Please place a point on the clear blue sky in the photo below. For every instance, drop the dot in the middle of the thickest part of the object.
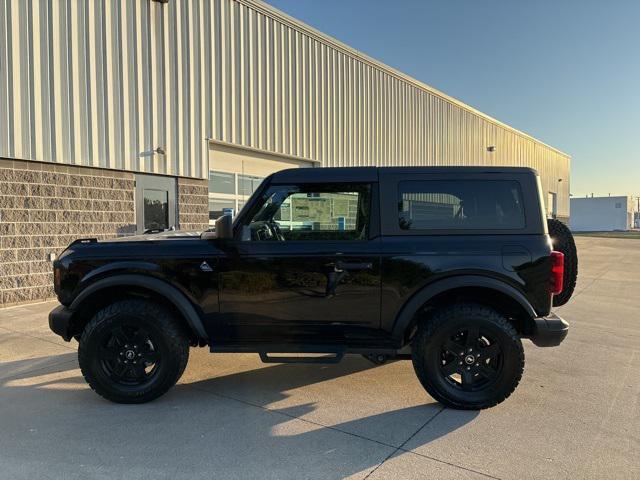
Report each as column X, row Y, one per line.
column 564, row 71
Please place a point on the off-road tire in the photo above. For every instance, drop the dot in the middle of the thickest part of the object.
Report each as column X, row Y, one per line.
column 563, row 242
column 427, row 355
column 172, row 349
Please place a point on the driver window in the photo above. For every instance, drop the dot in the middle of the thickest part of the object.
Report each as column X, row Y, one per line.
column 294, row 213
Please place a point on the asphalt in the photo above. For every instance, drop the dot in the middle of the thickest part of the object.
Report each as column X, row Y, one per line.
column 575, row 414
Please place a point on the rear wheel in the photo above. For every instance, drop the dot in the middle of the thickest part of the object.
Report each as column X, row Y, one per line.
column 133, row 351
column 563, row 241
column 468, row 356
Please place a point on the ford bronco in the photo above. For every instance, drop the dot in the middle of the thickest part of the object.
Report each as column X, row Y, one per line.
column 449, row 267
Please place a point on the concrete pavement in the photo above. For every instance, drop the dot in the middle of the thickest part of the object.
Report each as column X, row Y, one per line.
column 575, row 414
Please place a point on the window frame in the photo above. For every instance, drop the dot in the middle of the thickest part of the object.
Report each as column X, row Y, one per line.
column 463, row 184
column 165, row 209
column 390, row 195
column 240, row 177
column 372, row 223
column 238, row 199
column 234, row 182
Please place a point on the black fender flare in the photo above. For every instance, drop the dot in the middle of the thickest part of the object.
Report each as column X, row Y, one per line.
column 409, row 309
column 168, row 291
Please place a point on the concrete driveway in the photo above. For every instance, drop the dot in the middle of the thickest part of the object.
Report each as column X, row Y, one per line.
column 576, row 413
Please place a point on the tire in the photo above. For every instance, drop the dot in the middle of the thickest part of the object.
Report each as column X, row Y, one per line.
column 133, row 351
column 563, row 241
column 466, row 370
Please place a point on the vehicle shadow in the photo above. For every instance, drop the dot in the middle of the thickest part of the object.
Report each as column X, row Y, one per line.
column 229, row 426
column 27, row 368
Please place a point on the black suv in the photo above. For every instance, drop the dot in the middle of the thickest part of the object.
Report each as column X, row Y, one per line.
column 449, row 267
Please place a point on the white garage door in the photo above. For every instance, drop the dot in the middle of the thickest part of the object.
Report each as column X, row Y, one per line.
column 236, row 172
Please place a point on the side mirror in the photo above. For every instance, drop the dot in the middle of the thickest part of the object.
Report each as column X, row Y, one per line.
column 223, row 229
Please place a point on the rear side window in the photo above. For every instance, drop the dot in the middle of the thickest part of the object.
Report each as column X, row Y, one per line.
column 460, row 205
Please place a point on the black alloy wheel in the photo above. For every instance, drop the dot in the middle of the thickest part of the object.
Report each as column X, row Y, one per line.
column 133, row 351
column 129, row 356
column 471, row 359
column 467, row 356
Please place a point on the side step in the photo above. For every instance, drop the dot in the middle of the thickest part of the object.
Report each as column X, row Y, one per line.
column 329, row 358
column 270, row 353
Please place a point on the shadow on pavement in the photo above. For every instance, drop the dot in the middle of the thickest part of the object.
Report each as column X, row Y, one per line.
column 29, row 367
column 210, row 427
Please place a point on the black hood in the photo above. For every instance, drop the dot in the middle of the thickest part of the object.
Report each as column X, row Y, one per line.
column 152, row 237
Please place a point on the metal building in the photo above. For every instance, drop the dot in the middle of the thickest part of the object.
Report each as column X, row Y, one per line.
column 109, row 106
column 601, row 214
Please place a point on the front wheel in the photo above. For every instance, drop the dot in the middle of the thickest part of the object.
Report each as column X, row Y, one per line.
column 468, row 356
column 133, row 351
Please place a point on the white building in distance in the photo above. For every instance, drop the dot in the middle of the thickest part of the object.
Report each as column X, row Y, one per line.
column 598, row 214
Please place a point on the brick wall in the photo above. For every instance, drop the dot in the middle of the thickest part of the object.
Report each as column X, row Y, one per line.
column 46, row 206
column 193, row 204
column 43, row 208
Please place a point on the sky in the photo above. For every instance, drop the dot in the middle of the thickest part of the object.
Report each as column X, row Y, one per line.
column 564, row 71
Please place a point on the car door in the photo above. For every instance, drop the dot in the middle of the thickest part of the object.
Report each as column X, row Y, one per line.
column 305, row 265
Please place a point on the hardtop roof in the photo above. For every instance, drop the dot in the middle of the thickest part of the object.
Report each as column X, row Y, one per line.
column 370, row 174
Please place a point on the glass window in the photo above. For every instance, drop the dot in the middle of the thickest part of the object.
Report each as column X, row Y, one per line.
column 339, row 212
column 220, row 182
column 248, row 184
column 218, row 207
column 460, row 205
column 156, row 209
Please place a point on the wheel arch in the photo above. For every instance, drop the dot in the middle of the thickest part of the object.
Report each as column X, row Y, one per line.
column 493, row 293
column 105, row 291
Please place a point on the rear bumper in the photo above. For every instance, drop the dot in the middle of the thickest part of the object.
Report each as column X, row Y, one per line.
column 549, row 331
column 60, row 321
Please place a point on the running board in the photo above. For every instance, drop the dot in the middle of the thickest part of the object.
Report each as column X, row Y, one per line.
column 277, row 353
column 325, row 359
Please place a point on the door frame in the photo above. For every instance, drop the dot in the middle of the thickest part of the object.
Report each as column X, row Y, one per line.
column 155, row 182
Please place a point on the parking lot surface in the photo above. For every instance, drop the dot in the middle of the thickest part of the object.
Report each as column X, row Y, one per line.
column 576, row 413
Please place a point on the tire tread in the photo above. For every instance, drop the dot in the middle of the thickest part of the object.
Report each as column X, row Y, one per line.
column 564, row 242
column 427, row 329
column 174, row 336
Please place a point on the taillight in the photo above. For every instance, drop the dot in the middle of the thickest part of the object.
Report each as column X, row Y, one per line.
column 557, row 272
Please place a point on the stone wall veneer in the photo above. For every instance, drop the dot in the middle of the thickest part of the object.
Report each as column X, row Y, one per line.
column 193, row 204
column 46, row 206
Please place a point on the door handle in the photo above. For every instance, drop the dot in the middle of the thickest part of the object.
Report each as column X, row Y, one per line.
column 340, row 269
column 356, row 265
column 340, row 266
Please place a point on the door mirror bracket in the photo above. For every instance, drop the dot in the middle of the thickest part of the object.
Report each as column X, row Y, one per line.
column 223, row 229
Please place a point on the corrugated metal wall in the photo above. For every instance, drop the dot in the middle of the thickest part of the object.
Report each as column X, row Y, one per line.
column 99, row 82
